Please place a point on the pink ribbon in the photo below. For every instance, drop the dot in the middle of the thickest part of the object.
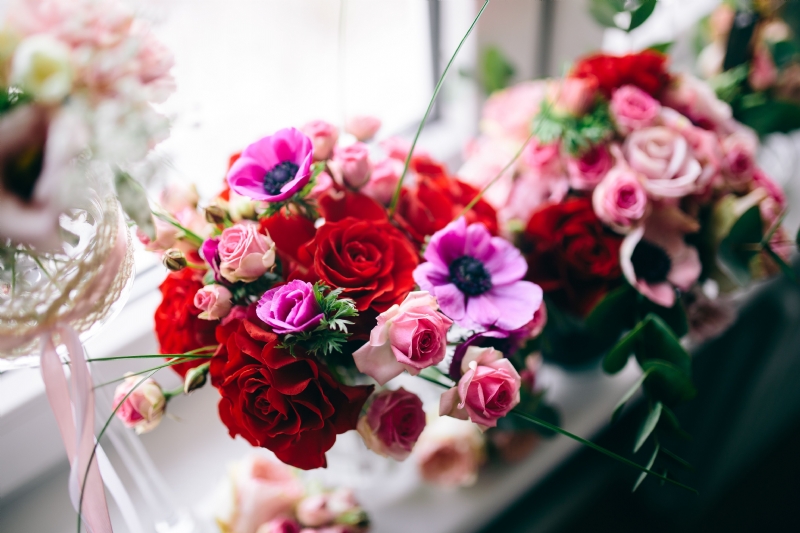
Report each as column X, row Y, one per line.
column 74, row 407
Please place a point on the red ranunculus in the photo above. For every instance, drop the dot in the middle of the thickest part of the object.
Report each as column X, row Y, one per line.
column 178, row 328
column 646, row 70
column 570, row 254
column 288, row 404
column 436, row 199
column 370, row 259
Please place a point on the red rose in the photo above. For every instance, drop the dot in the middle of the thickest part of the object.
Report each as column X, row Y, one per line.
column 570, row 254
column 292, row 235
column 370, row 259
column 646, row 70
column 436, row 199
column 177, row 327
column 288, row 404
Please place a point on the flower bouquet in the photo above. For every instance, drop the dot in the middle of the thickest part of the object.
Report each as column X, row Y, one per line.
column 636, row 200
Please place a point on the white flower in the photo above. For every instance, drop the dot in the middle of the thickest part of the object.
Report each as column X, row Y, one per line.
column 42, row 66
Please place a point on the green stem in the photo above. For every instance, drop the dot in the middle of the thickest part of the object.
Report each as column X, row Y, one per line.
column 590, row 444
column 433, row 380
column 170, row 394
column 145, row 371
column 190, row 235
column 154, row 356
column 396, row 196
column 497, row 177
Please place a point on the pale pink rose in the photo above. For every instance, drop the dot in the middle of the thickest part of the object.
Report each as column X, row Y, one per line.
column 620, row 200
column 323, row 184
column 763, row 72
column 697, row 100
column 393, row 423
column 322, row 510
column 353, row 164
column 398, row 148
column 244, row 253
column 484, row 159
column 529, row 191
column 664, row 159
column 589, row 169
column 143, row 408
column 544, row 158
column 449, row 452
column 383, row 180
column 363, row 127
column 166, row 236
column 704, row 144
column 487, row 391
column 738, row 163
column 312, row 511
column 509, row 113
column 410, row 336
column 279, row 525
column 263, row 489
column 655, row 258
column 633, row 109
column 179, row 195
column 214, row 301
column 153, row 62
column 572, row 96
column 324, row 136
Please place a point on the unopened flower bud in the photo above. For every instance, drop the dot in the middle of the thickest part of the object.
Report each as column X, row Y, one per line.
column 195, row 378
column 215, row 214
column 140, row 403
column 174, row 260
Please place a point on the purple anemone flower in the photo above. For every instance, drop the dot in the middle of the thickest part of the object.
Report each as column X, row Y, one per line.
column 209, row 251
column 273, row 168
column 477, row 278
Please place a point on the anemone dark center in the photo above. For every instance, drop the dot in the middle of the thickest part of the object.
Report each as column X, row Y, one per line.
column 278, row 176
column 650, row 262
column 470, row 276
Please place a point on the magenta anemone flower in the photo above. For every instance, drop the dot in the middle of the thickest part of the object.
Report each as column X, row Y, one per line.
column 477, row 278
column 273, row 168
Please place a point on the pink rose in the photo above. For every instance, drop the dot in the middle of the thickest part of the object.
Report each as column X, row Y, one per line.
column 363, row 127
column 704, row 144
column 545, row 158
column 312, row 511
column 383, row 180
column 620, row 200
column 323, row 184
column 244, row 253
column 263, row 489
column 508, row 113
column 663, row 157
column 410, row 336
column 393, row 423
column 324, row 136
column 633, row 109
column 738, row 163
column 214, row 301
column 353, row 164
column 763, row 72
column 143, row 409
column 279, row 525
column 697, row 100
column 179, row 195
column 449, row 452
column 586, row 171
column 320, row 510
column 488, row 390
column 572, row 96
column 776, row 196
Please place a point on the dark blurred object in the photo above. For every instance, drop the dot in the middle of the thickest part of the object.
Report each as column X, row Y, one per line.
column 745, row 424
column 738, row 51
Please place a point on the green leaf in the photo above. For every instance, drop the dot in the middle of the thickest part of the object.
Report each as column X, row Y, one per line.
column 649, row 466
column 496, row 70
column 647, row 427
column 668, row 377
column 134, row 202
column 659, row 342
column 661, row 47
column 613, row 315
column 670, row 421
column 786, row 269
column 641, row 14
column 628, row 395
column 769, row 116
column 674, row 317
column 677, row 459
column 603, row 11
column 741, row 245
column 616, row 359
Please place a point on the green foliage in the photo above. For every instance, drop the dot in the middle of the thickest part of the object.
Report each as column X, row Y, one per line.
column 133, row 199
column 331, row 333
column 728, row 84
column 628, row 395
column 662, row 48
column 641, row 13
column 649, row 466
column 10, row 97
column 496, row 70
column 577, row 134
column 741, row 245
column 605, row 12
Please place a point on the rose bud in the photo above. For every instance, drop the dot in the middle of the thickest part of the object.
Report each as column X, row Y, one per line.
column 323, row 137
column 174, row 260
column 633, row 109
column 393, row 423
column 214, row 301
column 166, row 236
column 363, row 127
column 312, row 511
column 143, row 409
column 383, row 180
column 488, row 390
column 215, row 214
column 279, row 525
column 449, row 452
column 410, row 336
column 195, row 378
column 244, row 253
column 353, row 164
column 572, row 96
column 290, row 308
